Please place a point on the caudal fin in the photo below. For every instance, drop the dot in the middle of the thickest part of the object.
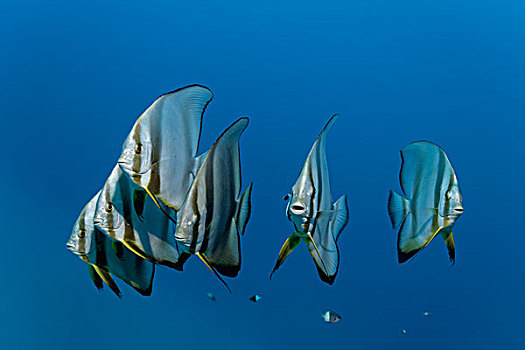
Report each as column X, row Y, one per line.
column 244, row 208
column 340, row 219
column 288, row 246
column 397, row 208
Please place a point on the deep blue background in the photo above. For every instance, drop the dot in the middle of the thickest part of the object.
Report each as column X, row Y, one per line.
column 74, row 77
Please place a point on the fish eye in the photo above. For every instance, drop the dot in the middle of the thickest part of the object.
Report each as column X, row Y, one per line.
column 138, row 148
column 82, row 233
column 286, row 197
column 109, row 207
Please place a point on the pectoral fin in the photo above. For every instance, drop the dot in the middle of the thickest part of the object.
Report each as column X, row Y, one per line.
column 139, row 200
column 95, row 278
column 118, row 249
column 288, row 246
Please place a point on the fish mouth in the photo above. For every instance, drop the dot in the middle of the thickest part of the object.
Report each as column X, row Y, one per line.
column 298, row 209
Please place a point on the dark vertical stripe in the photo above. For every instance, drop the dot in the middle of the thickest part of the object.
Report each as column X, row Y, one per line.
column 195, row 227
column 137, row 157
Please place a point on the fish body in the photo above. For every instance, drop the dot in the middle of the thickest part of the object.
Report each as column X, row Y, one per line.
column 331, row 317
column 318, row 221
column 160, row 153
column 432, row 200
column 211, row 296
column 126, row 213
column 255, row 298
column 214, row 213
column 105, row 256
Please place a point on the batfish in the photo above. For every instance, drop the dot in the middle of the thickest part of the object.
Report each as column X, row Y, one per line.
column 432, row 201
column 318, row 222
column 127, row 214
column 106, row 256
column 159, row 154
column 213, row 214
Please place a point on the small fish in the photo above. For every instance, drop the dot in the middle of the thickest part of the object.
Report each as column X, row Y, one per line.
column 427, row 313
column 403, row 331
column 255, row 298
column 159, row 154
column 317, row 221
column 104, row 258
column 127, row 214
column 215, row 214
column 331, row 317
column 433, row 200
column 211, row 296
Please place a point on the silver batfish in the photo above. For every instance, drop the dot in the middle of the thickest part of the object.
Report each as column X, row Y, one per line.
column 159, row 154
column 127, row 214
column 213, row 214
column 106, row 256
column 318, row 222
column 433, row 200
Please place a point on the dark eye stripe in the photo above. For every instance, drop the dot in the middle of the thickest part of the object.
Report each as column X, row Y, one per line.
column 137, row 159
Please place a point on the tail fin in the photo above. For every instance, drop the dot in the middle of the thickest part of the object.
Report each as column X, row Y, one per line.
column 288, row 246
column 397, row 208
column 244, row 207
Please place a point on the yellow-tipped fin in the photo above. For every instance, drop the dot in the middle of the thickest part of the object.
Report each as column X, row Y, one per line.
column 207, row 263
column 288, row 246
column 106, row 277
column 160, row 206
column 451, row 246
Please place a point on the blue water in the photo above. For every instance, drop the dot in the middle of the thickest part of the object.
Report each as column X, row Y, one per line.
column 74, row 76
